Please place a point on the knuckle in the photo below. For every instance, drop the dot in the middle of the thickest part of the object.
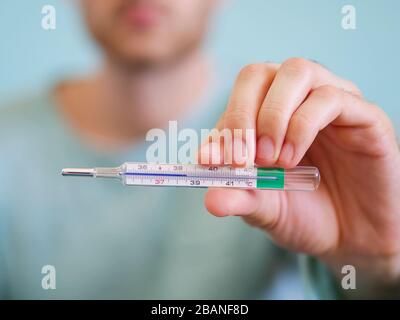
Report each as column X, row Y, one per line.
column 297, row 67
column 277, row 219
column 272, row 121
column 380, row 132
column 252, row 70
column 328, row 92
column 300, row 124
column 274, row 111
column 383, row 121
column 272, row 66
column 354, row 89
column 237, row 118
column 380, row 113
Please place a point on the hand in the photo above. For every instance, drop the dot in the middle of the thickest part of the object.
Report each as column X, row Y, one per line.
column 303, row 114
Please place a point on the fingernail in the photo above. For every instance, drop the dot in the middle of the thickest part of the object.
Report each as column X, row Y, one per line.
column 265, row 148
column 239, row 151
column 229, row 150
column 286, row 153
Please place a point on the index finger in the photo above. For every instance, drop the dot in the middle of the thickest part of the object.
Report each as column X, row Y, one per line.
column 250, row 89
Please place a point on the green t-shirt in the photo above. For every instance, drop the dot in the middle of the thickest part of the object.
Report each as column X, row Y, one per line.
column 110, row 241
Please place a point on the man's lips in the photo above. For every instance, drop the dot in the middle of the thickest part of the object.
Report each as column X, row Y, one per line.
column 142, row 16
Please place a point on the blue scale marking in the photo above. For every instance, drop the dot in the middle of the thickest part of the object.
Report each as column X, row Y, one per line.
column 189, row 176
column 155, row 174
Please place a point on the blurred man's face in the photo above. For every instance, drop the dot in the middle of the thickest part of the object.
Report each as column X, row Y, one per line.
column 147, row 32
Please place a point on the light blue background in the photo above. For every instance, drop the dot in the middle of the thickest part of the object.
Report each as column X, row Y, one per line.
column 245, row 31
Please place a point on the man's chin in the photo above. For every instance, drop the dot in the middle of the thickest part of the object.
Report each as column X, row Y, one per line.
column 149, row 59
column 140, row 62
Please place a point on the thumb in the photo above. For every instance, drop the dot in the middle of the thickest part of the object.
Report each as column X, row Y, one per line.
column 258, row 208
column 293, row 221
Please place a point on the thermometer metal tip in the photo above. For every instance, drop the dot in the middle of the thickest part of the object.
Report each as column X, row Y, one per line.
column 78, row 172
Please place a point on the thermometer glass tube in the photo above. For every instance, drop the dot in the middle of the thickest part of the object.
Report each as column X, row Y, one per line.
column 179, row 175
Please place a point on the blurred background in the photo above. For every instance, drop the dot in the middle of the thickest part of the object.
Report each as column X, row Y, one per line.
column 244, row 31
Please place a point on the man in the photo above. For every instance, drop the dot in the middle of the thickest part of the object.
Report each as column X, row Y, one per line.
column 111, row 242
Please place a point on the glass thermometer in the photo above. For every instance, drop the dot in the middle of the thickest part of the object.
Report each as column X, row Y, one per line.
column 180, row 175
